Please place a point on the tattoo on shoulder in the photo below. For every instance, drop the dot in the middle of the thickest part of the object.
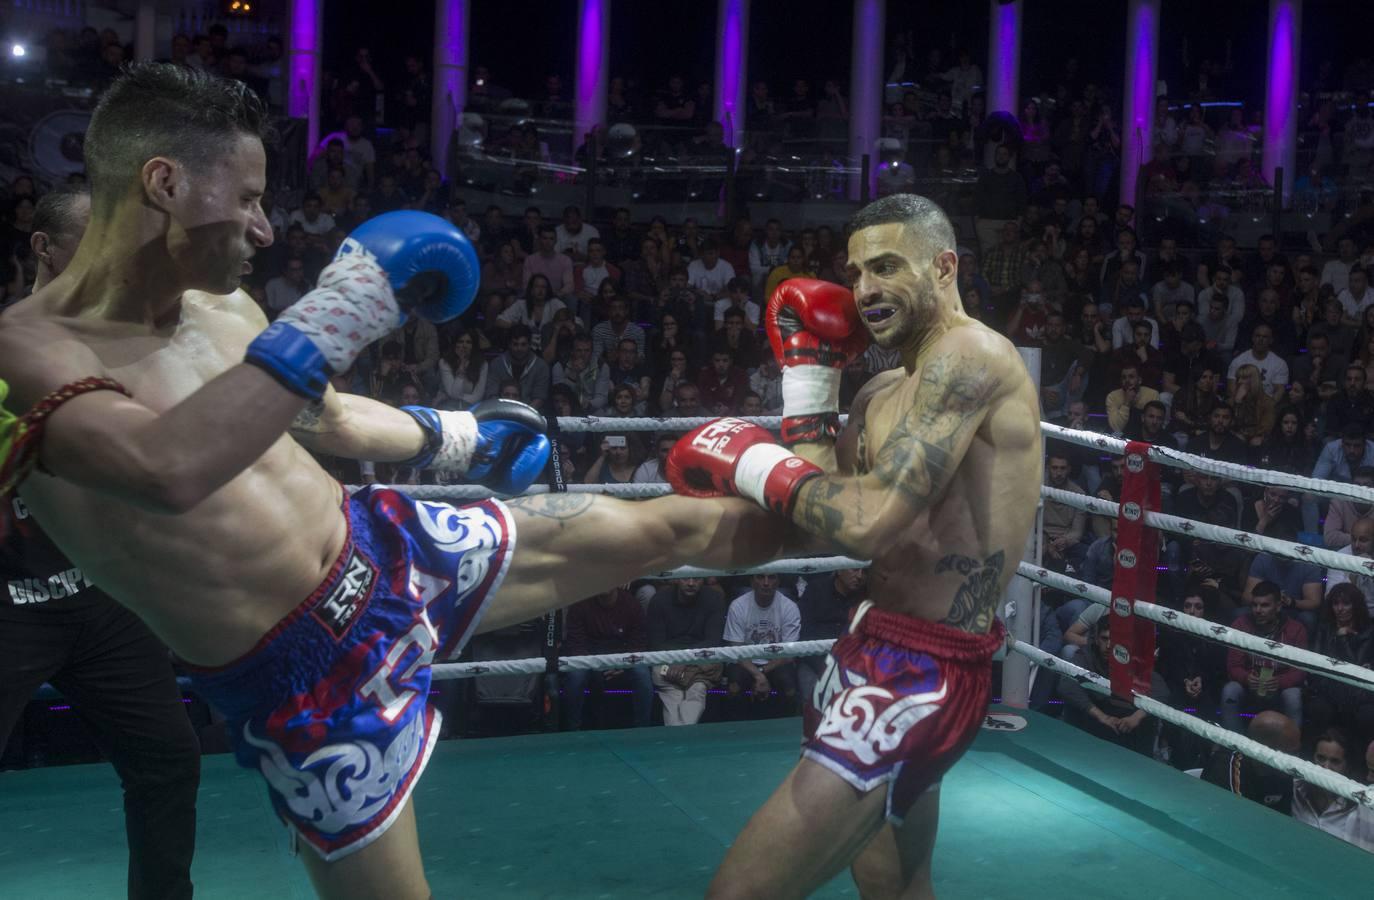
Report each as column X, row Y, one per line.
column 559, row 507
column 975, row 601
column 917, row 457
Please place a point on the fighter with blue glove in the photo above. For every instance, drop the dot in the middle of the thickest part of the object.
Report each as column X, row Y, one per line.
column 398, row 263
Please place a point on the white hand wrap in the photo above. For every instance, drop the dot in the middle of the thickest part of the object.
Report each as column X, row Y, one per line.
column 459, row 441
column 351, row 307
column 807, row 390
column 754, row 466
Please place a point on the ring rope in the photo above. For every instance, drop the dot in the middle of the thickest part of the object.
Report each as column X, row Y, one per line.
column 1349, row 673
column 640, row 491
column 538, row 665
column 1177, row 459
column 1291, row 765
column 573, row 424
column 1228, row 536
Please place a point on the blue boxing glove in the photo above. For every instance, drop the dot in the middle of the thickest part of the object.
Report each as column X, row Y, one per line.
column 397, row 263
column 430, row 262
column 499, row 444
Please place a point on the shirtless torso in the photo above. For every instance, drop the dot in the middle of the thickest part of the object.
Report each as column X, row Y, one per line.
column 955, row 558
column 212, row 581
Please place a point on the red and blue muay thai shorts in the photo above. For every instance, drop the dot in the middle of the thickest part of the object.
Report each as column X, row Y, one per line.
column 330, row 706
column 899, row 702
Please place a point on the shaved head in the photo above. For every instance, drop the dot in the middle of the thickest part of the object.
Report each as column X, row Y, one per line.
column 924, row 222
column 1275, row 731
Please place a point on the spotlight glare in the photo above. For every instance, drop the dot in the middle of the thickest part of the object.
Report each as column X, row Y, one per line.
column 18, row 51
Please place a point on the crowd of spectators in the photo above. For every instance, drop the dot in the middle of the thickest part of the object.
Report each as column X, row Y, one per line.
column 1258, row 355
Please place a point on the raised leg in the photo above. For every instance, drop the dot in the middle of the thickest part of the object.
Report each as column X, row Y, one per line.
column 387, row 869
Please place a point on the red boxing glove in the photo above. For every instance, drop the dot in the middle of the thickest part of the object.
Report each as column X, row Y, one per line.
column 815, row 330
column 735, row 458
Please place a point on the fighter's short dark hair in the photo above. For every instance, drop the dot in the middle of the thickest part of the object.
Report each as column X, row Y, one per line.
column 922, row 216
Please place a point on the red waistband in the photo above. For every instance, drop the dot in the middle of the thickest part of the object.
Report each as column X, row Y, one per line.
column 933, row 638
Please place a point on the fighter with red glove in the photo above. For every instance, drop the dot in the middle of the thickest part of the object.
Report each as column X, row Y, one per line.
column 815, row 329
column 735, row 457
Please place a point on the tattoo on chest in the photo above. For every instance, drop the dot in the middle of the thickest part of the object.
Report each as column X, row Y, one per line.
column 975, row 602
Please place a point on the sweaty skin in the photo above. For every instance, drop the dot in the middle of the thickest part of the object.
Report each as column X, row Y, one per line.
column 936, row 477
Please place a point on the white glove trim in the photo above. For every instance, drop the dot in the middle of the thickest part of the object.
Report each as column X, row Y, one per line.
column 754, row 466
column 810, row 389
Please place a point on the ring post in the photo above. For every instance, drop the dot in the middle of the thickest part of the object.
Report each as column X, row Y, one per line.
column 552, row 619
column 1016, row 668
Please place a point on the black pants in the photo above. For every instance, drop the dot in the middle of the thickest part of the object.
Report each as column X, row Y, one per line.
column 118, row 677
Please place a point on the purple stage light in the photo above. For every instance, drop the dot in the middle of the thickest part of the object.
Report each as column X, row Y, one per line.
column 1281, row 93
column 1137, row 109
column 1004, row 57
column 732, row 54
column 593, row 64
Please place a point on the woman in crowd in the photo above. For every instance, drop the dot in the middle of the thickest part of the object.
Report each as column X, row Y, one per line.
column 1254, row 408
column 565, row 405
column 1088, row 237
column 671, row 336
column 1343, row 632
column 1080, row 275
column 1035, row 135
column 535, row 310
column 617, row 462
column 1287, row 445
column 462, row 372
column 503, row 272
column 624, row 402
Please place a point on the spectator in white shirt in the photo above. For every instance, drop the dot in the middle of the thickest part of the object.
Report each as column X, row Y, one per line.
column 534, row 310
column 763, row 615
column 1273, row 370
column 462, row 373
column 651, row 470
column 286, row 288
column 1123, row 329
column 574, row 234
column 1357, row 297
column 709, row 273
column 1223, row 288
column 1336, row 815
column 737, row 295
column 312, row 217
column 1337, row 272
column 767, row 254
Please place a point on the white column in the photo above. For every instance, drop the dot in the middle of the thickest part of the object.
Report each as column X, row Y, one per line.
column 1281, row 93
column 592, row 67
column 866, row 88
column 450, row 77
column 732, row 67
column 145, row 30
column 1004, row 56
column 304, row 45
column 1138, row 103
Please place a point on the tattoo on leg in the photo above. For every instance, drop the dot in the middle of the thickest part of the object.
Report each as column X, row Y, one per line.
column 976, row 600
column 559, row 507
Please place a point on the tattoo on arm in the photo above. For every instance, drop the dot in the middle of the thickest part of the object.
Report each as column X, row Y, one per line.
column 310, row 419
column 976, row 600
column 559, row 507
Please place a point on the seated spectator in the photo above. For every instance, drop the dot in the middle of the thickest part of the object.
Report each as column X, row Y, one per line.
column 685, row 615
column 535, row 310
column 826, row 605
column 651, row 470
column 1342, row 514
column 590, row 383
column 627, row 368
column 1258, row 682
column 722, row 383
column 1219, row 441
column 1253, row 780
column 1357, row 297
column 607, row 335
column 587, row 276
column 1273, row 371
column 1353, row 408
column 1317, row 368
column 763, row 615
column 389, row 196
column 1255, row 410
column 617, row 463
column 1300, row 583
column 1336, row 815
column 1340, row 458
column 1343, row 632
column 1287, row 446
column 1133, row 314
column 1171, row 330
column 503, row 272
column 1361, row 545
column 391, row 375
column 1062, row 534
column 573, row 236
column 686, row 402
column 1171, row 292
column 766, row 382
column 547, row 261
column 556, row 338
column 737, row 297
column 1147, row 360
column 709, row 273
column 1332, row 325
column 1195, row 395
column 646, row 278
column 287, row 288
column 739, row 340
column 1194, row 669
column 521, row 366
column 795, row 267
column 1105, row 716
column 612, row 622
column 311, row 217
column 1206, row 501
column 1124, row 403
column 462, row 372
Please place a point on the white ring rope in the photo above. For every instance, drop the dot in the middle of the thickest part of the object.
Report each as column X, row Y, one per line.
column 538, row 665
column 1310, row 772
column 1349, row 673
column 1228, row 536
column 1189, row 462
